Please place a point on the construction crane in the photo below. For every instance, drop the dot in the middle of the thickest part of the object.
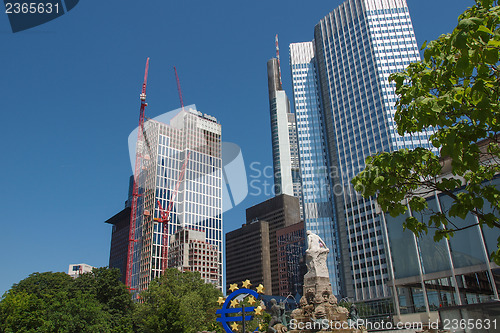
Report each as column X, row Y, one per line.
column 165, row 214
column 139, row 158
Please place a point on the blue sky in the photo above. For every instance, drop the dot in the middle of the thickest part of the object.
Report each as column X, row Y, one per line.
column 70, row 97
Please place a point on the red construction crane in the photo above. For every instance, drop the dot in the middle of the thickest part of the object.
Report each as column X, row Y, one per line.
column 135, row 193
column 165, row 214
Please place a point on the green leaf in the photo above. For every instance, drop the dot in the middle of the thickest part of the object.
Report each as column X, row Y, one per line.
column 462, row 65
column 467, row 24
column 491, row 56
column 494, row 43
column 484, row 29
column 460, row 40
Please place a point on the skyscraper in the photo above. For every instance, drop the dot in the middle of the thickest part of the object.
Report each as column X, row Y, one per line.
column 319, row 214
column 182, row 169
column 355, row 49
column 284, row 136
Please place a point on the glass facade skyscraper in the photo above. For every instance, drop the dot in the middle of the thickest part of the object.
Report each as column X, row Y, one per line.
column 316, row 188
column 355, row 49
column 189, row 143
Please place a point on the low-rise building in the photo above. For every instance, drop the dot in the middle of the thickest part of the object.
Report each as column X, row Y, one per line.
column 188, row 251
column 75, row 270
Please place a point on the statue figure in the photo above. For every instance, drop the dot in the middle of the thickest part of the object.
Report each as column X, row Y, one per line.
column 353, row 313
column 353, row 316
column 300, row 311
column 314, row 242
column 318, row 304
column 332, row 299
column 316, row 255
column 276, row 317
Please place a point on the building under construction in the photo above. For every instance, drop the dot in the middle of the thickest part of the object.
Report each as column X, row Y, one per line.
column 177, row 186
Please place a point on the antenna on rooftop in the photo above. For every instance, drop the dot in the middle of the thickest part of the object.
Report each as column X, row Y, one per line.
column 179, row 87
column 278, row 57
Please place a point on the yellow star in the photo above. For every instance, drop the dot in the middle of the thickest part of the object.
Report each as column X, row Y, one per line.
column 234, row 303
column 234, row 287
column 234, row 326
column 246, row 283
column 258, row 310
column 221, row 300
column 251, row 300
column 260, row 289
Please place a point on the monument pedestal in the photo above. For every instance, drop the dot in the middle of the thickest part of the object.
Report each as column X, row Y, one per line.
column 319, row 311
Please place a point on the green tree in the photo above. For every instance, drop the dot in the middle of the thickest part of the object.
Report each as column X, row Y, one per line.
column 21, row 312
column 104, row 285
column 177, row 302
column 455, row 90
column 54, row 302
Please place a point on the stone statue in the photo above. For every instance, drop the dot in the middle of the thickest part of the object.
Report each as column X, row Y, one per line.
column 314, row 242
column 316, row 255
column 276, row 316
column 353, row 313
column 318, row 305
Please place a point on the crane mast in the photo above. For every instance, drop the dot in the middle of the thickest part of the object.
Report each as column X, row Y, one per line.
column 135, row 193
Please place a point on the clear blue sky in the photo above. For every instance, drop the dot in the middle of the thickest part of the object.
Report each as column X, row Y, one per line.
column 70, row 97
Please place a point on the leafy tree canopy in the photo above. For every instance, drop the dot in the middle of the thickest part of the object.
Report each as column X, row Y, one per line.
column 178, row 302
column 55, row 302
column 455, row 92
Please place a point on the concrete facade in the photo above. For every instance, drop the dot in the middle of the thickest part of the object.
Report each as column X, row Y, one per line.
column 75, row 270
column 248, row 255
column 189, row 251
column 119, row 241
column 280, row 211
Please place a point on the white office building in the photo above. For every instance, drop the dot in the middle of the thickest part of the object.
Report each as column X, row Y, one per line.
column 182, row 169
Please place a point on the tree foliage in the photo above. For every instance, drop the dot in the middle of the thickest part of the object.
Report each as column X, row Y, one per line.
column 99, row 302
column 55, row 302
column 454, row 91
column 178, row 302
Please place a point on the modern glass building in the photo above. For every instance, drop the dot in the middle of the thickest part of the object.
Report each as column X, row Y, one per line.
column 319, row 215
column 189, row 143
column 355, row 49
column 429, row 276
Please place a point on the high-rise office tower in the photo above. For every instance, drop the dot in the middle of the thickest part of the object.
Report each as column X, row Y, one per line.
column 182, row 165
column 355, row 49
column 319, row 214
column 284, row 135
